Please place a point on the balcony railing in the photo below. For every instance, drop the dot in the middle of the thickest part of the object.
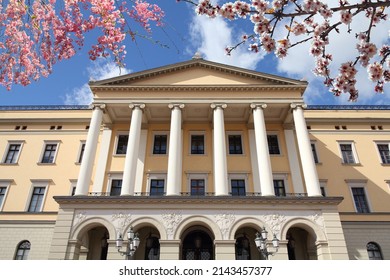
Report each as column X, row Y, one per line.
column 186, row 194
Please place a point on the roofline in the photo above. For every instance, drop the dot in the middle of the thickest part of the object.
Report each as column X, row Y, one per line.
column 44, row 107
column 348, row 107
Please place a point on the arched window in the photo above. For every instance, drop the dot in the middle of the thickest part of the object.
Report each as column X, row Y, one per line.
column 374, row 251
column 23, row 250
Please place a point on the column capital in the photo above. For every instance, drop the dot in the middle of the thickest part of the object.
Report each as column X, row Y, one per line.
column 176, row 105
column 100, row 106
column 218, row 105
column 258, row 105
column 298, row 105
column 137, row 105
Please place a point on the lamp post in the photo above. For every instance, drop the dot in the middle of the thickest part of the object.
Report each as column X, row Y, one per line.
column 132, row 244
column 261, row 243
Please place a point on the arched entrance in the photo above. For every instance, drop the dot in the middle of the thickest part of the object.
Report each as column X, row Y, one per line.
column 245, row 247
column 96, row 243
column 301, row 244
column 197, row 244
column 149, row 247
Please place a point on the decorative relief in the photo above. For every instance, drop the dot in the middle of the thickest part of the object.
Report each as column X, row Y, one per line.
column 275, row 222
column 171, row 221
column 318, row 219
column 79, row 217
column 225, row 221
column 121, row 220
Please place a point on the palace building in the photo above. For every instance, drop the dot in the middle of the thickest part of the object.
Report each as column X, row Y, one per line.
column 195, row 160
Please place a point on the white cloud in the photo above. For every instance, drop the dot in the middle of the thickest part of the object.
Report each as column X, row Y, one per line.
column 211, row 36
column 99, row 70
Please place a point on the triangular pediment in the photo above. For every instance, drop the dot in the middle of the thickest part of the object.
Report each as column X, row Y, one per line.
column 197, row 72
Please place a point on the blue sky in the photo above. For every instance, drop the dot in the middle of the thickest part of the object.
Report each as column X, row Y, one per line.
column 186, row 33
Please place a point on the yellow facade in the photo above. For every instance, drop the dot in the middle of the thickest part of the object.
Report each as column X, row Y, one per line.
column 38, row 205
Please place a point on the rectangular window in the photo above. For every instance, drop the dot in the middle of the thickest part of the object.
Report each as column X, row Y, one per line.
column 81, row 154
column 197, row 187
column 273, row 145
column 197, row 144
column 12, row 153
column 235, row 145
column 238, row 187
column 2, row 195
column 121, row 146
column 157, row 187
column 361, row 204
column 116, row 187
column 314, row 151
column 279, row 188
column 36, row 199
column 49, row 153
column 347, row 153
column 384, row 153
column 160, row 145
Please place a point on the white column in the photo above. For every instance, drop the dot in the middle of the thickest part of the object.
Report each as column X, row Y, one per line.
column 293, row 160
column 263, row 158
column 175, row 152
column 98, row 182
column 141, row 162
column 130, row 169
column 221, row 186
column 307, row 159
column 86, row 167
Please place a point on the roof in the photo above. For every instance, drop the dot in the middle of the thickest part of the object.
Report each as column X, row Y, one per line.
column 44, row 107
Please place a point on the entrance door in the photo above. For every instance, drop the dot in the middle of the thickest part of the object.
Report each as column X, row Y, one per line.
column 197, row 245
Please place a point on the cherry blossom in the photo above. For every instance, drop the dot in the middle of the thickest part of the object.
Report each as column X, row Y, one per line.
column 279, row 25
column 38, row 34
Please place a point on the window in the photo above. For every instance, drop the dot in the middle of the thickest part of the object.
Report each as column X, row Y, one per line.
column 22, row 250
column 2, row 195
column 157, row 187
column 359, row 196
column 116, row 187
column 238, row 187
column 160, row 145
column 121, row 146
column 49, row 153
column 273, row 145
column 13, row 153
column 348, row 153
column 323, row 188
column 197, row 187
column 314, row 150
column 279, row 188
column 197, row 144
column 235, row 145
column 81, row 152
column 37, row 199
column 384, row 153
column 374, row 251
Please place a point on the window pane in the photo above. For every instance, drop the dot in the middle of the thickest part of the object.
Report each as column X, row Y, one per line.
column 2, row 195
column 346, row 151
column 122, row 144
column 273, row 144
column 235, row 145
column 160, row 144
column 374, row 252
column 81, row 152
column 49, row 153
column 23, row 250
column 36, row 199
column 238, row 187
column 384, row 152
column 313, row 149
column 197, row 144
column 12, row 154
column 157, row 187
column 116, row 187
column 360, row 199
column 197, row 187
column 279, row 188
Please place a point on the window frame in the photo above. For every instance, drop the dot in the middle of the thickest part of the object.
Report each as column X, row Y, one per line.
column 156, row 176
column 238, row 176
column 314, row 150
column 34, row 185
column 5, row 184
column 197, row 133
column 73, row 184
column 112, row 177
column 45, row 144
column 377, row 143
column 323, row 188
column 7, row 150
column 234, row 133
column 197, row 176
column 24, row 256
column 160, row 133
column 197, row 193
column 117, row 136
column 353, row 150
column 277, row 140
column 281, row 177
column 360, row 185
column 80, row 154
column 378, row 250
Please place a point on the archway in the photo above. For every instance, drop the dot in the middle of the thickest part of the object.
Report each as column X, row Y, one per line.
column 245, row 247
column 197, row 244
column 149, row 247
column 301, row 244
column 96, row 243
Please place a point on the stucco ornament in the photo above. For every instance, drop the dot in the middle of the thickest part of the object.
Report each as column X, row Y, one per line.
column 275, row 222
column 79, row 217
column 225, row 221
column 318, row 219
column 171, row 221
column 121, row 220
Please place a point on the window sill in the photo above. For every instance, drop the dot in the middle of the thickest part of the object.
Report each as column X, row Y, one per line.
column 351, row 164
column 46, row 163
column 10, row 164
column 385, row 164
column 119, row 155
